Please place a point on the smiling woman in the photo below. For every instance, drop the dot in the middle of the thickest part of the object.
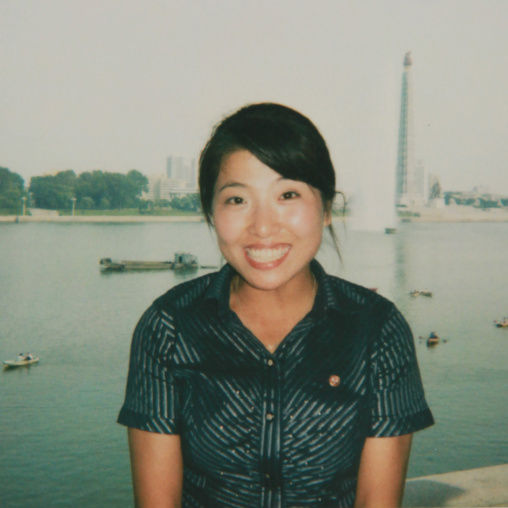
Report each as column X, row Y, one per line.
column 271, row 383
column 265, row 221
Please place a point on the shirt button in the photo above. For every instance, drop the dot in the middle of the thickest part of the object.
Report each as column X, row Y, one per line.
column 270, row 362
column 269, row 416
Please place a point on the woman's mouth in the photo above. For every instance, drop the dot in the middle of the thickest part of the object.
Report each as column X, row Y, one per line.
column 266, row 257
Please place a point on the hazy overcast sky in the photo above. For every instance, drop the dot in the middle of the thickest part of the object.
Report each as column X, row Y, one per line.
column 117, row 84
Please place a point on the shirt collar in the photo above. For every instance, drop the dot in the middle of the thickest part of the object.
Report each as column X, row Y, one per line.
column 219, row 288
column 326, row 297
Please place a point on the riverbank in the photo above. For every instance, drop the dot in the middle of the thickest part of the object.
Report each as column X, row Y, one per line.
column 454, row 213
column 485, row 486
column 102, row 219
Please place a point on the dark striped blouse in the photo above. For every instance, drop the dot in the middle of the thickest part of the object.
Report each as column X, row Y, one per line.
column 273, row 430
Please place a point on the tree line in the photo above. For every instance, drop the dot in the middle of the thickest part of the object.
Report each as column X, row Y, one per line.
column 90, row 190
column 484, row 201
column 187, row 203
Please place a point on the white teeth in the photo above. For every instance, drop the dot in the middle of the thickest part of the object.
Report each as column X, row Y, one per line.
column 267, row 255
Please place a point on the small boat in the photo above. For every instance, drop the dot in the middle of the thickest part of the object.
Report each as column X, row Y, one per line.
column 502, row 324
column 181, row 261
column 432, row 339
column 423, row 292
column 20, row 363
column 108, row 264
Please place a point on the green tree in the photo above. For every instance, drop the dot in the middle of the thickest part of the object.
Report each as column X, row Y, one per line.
column 162, row 203
column 106, row 190
column 138, row 181
column 86, row 203
column 92, row 185
column 188, row 203
column 195, row 202
column 104, row 204
column 176, row 203
column 145, row 205
column 12, row 190
column 119, row 190
column 54, row 191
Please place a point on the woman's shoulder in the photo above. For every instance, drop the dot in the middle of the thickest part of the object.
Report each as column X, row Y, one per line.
column 370, row 307
column 185, row 295
column 353, row 297
column 159, row 318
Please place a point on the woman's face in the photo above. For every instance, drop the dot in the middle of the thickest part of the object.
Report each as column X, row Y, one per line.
column 269, row 228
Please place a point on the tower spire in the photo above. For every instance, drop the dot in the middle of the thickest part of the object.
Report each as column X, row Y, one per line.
column 409, row 188
column 408, row 61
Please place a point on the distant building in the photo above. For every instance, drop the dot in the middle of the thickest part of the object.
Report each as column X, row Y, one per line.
column 183, row 169
column 180, row 179
column 153, row 192
column 410, row 188
column 162, row 187
column 479, row 197
column 434, row 193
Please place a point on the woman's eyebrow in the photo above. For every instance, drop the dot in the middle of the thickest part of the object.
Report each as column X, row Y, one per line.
column 231, row 184
column 227, row 185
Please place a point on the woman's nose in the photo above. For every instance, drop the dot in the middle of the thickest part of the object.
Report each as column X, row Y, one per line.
column 264, row 221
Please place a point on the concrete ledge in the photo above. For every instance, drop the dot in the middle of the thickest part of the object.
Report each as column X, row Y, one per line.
column 486, row 486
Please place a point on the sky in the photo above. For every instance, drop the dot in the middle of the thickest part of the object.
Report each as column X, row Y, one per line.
column 122, row 84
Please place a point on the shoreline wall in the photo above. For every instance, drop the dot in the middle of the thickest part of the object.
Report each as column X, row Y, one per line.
column 455, row 213
column 485, row 486
column 102, row 219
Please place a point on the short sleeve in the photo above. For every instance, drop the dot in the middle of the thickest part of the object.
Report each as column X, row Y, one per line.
column 151, row 399
column 398, row 403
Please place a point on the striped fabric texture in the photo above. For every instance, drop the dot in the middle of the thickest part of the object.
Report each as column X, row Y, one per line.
column 273, row 430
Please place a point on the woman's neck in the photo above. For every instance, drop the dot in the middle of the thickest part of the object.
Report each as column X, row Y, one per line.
column 295, row 294
column 271, row 315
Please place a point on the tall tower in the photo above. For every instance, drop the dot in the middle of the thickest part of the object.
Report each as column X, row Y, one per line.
column 409, row 188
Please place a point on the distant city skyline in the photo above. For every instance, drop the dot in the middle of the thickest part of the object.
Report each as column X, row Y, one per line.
column 116, row 86
column 179, row 179
column 158, row 174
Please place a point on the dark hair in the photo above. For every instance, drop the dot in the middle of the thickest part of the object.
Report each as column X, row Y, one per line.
column 280, row 137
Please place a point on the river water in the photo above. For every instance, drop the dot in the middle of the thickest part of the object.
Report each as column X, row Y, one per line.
column 59, row 443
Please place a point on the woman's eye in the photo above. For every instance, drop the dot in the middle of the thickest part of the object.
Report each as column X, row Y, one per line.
column 289, row 195
column 235, row 200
